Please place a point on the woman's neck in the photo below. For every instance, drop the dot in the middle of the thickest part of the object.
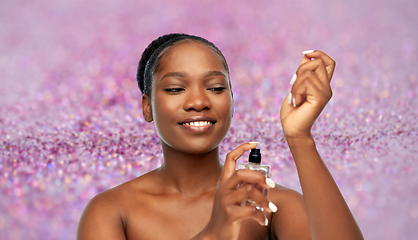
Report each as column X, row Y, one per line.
column 190, row 174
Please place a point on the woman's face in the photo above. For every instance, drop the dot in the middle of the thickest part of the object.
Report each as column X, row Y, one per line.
column 191, row 100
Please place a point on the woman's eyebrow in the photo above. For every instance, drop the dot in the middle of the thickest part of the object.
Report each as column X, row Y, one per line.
column 214, row 73
column 174, row 74
column 183, row 74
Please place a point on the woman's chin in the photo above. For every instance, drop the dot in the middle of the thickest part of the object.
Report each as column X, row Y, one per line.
column 195, row 148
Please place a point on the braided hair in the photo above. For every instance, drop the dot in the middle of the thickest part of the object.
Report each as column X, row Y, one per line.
column 149, row 62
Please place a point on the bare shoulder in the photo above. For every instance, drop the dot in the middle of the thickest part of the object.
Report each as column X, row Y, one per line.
column 104, row 215
column 285, row 197
column 101, row 218
column 291, row 220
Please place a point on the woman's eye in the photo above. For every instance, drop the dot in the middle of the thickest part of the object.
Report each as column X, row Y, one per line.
column 217, row 89
column 173, row 90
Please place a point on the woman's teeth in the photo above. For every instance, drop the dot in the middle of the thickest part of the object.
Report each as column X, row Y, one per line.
column 198, row 124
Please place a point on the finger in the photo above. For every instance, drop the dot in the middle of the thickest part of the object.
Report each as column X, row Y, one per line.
column 231, row 160
column 239, row 213
column 251, row 193
column 309, row 89
column 298, row 91
column 305, row 59
column 313, row 78
column 329, row 62
column 317, row 66
column 248, row 176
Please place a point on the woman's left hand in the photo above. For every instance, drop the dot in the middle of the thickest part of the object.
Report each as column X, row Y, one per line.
column 309, row 95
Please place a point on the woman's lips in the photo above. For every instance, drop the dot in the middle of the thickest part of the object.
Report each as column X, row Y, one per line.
column 198, row 124
column 193, row 120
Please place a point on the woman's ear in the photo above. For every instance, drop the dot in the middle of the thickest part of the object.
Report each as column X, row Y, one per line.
column 146, row 108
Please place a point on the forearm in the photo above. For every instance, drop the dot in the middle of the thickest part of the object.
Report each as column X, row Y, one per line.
column 328, row 214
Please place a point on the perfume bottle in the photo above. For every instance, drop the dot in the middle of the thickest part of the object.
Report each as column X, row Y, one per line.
column 254, row 163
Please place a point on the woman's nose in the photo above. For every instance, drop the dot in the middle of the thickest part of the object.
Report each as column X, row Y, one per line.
column 197, row 100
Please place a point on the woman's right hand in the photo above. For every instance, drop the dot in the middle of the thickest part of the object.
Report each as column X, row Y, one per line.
column 227, row 213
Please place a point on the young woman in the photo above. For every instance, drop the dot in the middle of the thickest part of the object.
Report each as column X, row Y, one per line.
column 187, row 94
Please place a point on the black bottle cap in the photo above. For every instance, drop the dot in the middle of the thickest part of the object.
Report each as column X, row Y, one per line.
column 255, row 156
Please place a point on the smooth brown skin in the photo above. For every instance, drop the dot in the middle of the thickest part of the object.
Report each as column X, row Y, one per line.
column 192, row 196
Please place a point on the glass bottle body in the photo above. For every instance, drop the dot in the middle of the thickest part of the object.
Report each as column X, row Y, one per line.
column 263, row 169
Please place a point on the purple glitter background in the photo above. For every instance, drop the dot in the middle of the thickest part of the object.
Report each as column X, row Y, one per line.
column 71, row 124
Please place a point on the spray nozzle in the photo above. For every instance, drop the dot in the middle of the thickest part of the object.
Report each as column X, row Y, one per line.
column 255, row 156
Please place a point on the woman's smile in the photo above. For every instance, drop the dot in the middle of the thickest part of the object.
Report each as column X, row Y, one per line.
column 198, row 124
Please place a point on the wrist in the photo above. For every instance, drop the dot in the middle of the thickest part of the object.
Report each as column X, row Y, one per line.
column 303, row 149
column 300, row 141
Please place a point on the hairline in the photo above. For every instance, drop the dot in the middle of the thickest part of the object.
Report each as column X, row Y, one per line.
column 156, row 65
column 164, row 51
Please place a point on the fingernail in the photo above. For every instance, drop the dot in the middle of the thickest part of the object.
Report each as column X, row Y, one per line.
column 289, row 98
column 308, row 51
column 272, row 207
column 270, row 183
column 293, row 79
column 253, row 142
column 294, row 102
column 266, row 222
